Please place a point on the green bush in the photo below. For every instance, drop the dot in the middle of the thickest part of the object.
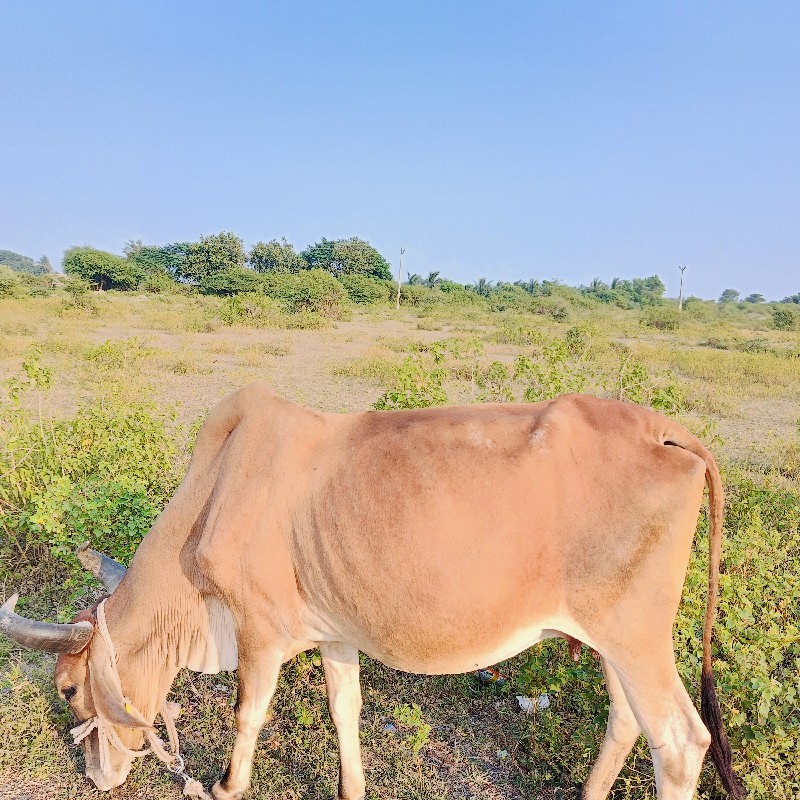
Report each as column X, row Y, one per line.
column 79, row 295
column 517, row 331
column 10, row 283
column 253, row 310
column 662, row 318
column 230, row 281
column 157, row 283
column 555, row 373
column 363, row 290
column 308, row 290
column 413, row 295
column 785, row 318
column 417, row 384
column 508, row 297
column 102, row 474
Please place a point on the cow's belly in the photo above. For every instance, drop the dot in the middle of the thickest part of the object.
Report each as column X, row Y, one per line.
column 443, row 648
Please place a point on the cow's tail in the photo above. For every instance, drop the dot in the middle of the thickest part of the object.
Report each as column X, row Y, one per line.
column 710, row 713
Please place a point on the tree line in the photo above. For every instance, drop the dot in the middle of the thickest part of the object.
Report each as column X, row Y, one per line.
column 219, row 264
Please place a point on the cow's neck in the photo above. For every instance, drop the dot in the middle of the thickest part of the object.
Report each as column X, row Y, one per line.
column 158, row 622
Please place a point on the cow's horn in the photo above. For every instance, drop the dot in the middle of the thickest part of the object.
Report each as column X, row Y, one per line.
column 105, row 569
column 49, row 636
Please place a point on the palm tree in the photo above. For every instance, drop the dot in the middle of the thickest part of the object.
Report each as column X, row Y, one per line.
column 414, row 280
column 531, row 286
column 597, row 285
column 433, row 280
column 481, row 287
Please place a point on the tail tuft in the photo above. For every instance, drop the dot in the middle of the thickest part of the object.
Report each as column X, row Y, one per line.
column 720, row 750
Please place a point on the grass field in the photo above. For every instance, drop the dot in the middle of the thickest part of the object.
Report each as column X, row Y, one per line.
column 67, row 370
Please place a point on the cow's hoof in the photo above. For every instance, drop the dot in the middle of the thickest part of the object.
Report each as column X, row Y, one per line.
column 220, row 793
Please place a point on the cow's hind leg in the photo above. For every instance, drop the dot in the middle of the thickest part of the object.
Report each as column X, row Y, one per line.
column 344, row 701
column 677, row 737
column 257, row 681
column 622, row 732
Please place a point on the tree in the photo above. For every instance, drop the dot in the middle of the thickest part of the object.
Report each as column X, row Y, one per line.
column 352, row 256
column 212, row 254
column 154, row 260
column 17, row 262
column 793, row 298
column 531, row 286
column 481, row 287
column 433, row 280
column 414, row 280
column 754, row 298
column 729, row 296
column 276, row 256
column 103, row 270
column 43, row 266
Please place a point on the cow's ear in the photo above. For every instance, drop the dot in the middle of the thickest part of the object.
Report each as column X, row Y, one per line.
column 107, row 696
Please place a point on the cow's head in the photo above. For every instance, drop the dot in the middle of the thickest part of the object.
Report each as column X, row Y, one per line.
column 84, row 676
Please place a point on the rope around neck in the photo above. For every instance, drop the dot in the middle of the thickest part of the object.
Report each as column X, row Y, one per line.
column 108, row 737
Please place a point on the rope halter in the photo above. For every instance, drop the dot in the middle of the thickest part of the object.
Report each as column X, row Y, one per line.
column 108, row 737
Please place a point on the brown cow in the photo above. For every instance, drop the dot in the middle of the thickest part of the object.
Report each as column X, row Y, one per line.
column 291, row 524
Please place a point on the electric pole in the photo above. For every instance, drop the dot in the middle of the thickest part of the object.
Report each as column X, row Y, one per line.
column 680, row 297
column 400, row 276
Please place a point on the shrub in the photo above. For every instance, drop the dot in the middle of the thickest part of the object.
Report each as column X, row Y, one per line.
column 639, row 386
column 549, row 306
column 700, row 310
column 518, row 332
column 102, row 474
column 413, row 295
column 78, row 294
column 9, row 282
column 255, row 310
column 308, row 290
column 553, row 374
column 785, row 318
column 230, row 281
column 157, row 282
column 38, row 285
column 417, row 384
column 509, row 297
column 363, row 290
column 662, row 318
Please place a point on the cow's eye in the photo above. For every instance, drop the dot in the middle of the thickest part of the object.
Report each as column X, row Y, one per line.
column 69, row 692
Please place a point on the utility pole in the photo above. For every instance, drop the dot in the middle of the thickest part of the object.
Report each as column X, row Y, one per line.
column 400, row 276
column 680, row 298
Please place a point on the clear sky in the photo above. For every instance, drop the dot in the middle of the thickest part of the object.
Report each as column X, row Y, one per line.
column 502, row 140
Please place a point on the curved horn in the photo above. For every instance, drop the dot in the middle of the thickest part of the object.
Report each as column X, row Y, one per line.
column 105, row 569
column 48, row 636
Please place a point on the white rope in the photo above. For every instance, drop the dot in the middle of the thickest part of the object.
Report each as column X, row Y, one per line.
column 107, row 733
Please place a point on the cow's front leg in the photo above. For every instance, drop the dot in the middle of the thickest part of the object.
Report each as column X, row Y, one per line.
column 344, row 701
column 257, row 681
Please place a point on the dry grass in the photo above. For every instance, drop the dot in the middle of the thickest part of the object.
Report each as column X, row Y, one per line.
column 177, row 349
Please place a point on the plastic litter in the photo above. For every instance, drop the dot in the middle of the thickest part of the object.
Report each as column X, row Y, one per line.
column 529, row 704
column 489, row 676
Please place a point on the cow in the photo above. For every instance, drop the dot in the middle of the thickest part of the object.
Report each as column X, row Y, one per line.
column 434, row 540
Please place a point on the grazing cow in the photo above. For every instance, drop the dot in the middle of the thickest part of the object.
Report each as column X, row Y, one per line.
column 494, row 527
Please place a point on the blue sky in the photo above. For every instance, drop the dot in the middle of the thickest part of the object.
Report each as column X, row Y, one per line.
column 503, row 140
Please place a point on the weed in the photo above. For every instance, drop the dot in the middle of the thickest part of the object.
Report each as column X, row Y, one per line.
column 410, row 716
